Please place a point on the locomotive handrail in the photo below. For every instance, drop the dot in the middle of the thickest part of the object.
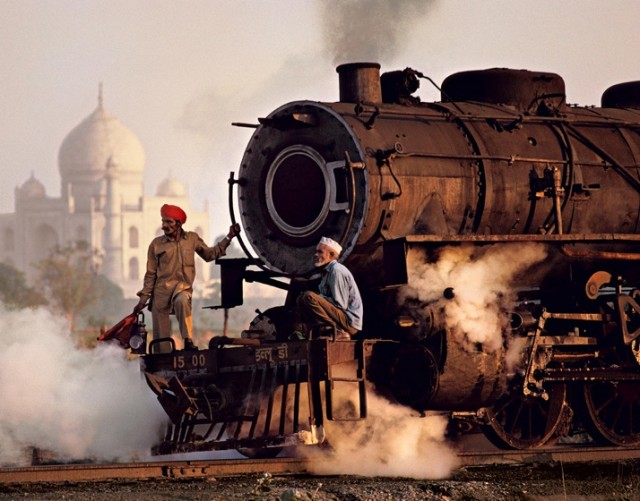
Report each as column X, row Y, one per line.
column 618, row 167
column 500, row 158
column 232, row 216
column 416, row 112
column 352, row 197
column 569, row 177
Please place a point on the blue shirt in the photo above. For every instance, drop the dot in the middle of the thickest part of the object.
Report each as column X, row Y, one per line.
column 339, row 287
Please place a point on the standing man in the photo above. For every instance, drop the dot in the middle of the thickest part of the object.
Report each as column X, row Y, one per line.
column 337, row 302
column 171, row 271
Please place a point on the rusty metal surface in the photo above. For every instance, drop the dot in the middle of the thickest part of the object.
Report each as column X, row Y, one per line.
column 251, row 395
column 436, row 169
column 580, row 237
column 525, row 90
column 503, row 160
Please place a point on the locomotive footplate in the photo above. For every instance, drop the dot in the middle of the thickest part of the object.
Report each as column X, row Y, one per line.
column 250, row 395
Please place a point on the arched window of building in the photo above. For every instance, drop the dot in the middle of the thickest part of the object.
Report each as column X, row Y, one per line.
column 81, row 234
column 134, row 272
column 9, row 239
column 45, row 239
column 133, row 237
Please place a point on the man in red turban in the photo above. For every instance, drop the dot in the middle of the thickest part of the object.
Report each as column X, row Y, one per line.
column 171, row 270
column 173, row 212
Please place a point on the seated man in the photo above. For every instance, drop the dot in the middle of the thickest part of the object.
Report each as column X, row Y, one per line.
column 337, row 302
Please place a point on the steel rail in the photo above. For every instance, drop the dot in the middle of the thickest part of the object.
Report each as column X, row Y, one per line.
column 287, row 466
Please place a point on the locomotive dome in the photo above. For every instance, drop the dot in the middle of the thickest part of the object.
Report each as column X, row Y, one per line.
column 523, row 89
column 622, row 95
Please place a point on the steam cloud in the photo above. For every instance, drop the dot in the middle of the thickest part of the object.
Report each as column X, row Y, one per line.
column 368, row 30
column 482, row 279
column 392, row 442
column 73, row 402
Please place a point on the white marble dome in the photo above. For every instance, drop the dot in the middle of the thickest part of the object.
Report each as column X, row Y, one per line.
column 171, row 187
column 32, row 188
column 98, row 139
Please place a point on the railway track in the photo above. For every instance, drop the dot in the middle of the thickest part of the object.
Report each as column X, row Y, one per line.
column 284, row 466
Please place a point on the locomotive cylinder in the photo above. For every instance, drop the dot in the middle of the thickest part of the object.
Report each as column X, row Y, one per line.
column 465, row 380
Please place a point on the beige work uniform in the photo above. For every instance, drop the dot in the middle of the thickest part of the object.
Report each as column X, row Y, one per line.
column 169, row 278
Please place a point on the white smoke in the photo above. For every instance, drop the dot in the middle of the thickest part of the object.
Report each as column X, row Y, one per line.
column 393, row 441
column 369, row 30
column 482, row 279
column 76, row 403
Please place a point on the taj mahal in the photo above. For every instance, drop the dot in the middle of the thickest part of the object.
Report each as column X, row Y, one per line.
column 102, row 203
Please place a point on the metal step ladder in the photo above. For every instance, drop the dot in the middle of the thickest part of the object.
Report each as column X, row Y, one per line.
column 358, row 378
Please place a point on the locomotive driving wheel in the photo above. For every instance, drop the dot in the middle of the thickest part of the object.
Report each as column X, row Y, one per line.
column 614, row 411
column 517, row 421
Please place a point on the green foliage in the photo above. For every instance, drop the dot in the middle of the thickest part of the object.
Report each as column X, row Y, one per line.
column 14, row 291
column 68, row 278
column 110, row 305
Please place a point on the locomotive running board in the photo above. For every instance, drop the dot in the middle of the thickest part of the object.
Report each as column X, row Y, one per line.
column 549, row 238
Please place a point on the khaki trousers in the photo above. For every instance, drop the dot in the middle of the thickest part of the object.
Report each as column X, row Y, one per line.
column 315, row 309
column 182, row 310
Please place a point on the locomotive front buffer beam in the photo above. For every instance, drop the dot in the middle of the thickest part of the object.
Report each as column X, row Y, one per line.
column 244, row 394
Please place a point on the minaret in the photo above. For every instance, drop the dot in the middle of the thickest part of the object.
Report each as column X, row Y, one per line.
column 113, row 224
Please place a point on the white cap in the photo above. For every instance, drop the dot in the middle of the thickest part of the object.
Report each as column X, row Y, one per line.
column 331, row 244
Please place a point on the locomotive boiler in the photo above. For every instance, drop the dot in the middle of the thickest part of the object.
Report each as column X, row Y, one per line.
column 501, row 166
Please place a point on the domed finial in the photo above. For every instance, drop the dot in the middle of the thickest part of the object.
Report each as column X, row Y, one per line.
column 100, row 99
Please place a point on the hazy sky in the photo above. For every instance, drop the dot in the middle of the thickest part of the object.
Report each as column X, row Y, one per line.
column 178, row 72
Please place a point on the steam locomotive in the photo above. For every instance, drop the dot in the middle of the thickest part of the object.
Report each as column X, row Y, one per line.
column 502, row 166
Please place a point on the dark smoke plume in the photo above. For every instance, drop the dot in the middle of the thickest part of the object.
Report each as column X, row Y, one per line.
column 369, row 30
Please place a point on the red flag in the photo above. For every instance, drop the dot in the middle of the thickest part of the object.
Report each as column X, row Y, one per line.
column 121, row 331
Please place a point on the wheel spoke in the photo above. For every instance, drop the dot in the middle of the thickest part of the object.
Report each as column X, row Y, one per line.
column 516, row 419
column 611, row 409
column 616, row 414
column 521, row 422
column 605, row 404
